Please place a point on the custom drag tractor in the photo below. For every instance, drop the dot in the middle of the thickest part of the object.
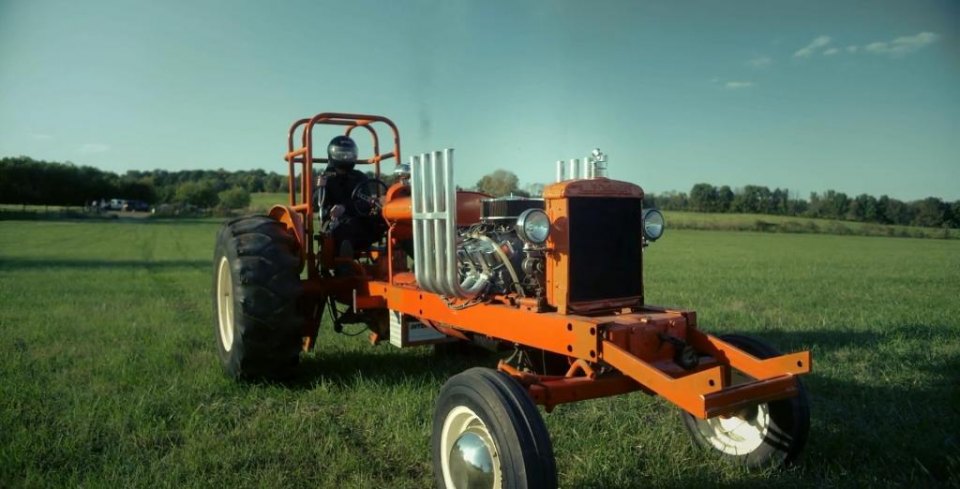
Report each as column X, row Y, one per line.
column 556, row 280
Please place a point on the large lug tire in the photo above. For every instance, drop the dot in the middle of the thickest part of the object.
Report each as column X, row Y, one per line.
column 488, row 433
column 256, row 288
column 770, row 434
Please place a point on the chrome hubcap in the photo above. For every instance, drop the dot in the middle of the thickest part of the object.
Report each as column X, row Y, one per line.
column 469, row 457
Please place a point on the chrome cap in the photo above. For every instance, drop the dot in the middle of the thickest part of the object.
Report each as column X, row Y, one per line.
column 471, row 464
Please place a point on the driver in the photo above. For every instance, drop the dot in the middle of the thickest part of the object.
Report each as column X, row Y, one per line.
column 351, row 231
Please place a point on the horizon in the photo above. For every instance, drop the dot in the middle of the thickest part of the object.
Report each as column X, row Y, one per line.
column 858, row 98
column 791, row 194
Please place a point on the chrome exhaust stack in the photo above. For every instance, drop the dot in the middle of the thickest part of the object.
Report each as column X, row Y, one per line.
column 435, row 228
column 592, row 166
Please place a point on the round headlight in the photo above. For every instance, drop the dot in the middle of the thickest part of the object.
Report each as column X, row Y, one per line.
column 533, row 226
column 653, row 224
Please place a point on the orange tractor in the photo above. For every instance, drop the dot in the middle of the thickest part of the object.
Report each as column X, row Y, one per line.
column 557, row 281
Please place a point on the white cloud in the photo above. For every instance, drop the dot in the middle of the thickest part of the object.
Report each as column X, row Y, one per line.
column 40, row 136
column 90, row 148
column 902, row 45
column 736, row 85
column 759, row 61
column 852, row 49
column 812, row 48
column 831, row 51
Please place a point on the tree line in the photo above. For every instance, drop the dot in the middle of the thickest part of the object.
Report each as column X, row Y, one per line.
column 24, row 180
column 757, row 199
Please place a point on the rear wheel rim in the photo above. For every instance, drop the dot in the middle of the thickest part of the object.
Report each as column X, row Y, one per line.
column 462, row 422
column 737, row 435
column 225, row 303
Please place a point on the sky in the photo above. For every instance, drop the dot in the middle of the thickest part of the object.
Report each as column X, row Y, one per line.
column 858, row 96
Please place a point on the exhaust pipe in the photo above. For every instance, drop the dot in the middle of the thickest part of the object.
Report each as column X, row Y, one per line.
column 435, row 228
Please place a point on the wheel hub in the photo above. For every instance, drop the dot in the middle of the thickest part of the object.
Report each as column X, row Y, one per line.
column 738, row 434
column 471, row 462
column 469, row 459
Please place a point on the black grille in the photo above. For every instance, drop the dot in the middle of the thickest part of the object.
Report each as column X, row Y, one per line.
column 605, row 248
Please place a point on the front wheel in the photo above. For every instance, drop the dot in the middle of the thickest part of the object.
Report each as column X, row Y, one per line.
column 488, row 433
column 767, row 434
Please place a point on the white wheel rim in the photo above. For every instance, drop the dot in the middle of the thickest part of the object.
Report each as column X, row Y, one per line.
column 225, row 303
column 459, row 420
column 737, row 435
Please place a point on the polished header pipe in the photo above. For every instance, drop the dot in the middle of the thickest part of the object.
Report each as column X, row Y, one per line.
column 435, row 228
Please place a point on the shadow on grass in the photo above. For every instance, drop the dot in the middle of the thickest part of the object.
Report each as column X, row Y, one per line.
column 39, row 263
column 895, row 417
column 347, row 368
column 898, row 419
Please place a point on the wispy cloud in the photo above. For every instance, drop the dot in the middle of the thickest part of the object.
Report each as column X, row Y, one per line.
column 895, row 48
column 737, row 85
column 37, row 136
column 759, row 61
column 810, row 49
column 902, row 45
column 90, row 148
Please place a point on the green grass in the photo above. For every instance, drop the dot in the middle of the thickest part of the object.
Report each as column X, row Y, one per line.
column 805, row 225
column 265, row 200
column 109, row 377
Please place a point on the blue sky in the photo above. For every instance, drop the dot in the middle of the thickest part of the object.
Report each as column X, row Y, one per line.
column 805, row 95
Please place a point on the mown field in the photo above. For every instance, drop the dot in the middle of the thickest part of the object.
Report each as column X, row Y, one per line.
column 108, row 372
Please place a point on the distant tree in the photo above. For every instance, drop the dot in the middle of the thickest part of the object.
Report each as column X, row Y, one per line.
column 862, row 208
column 141, row 189
column 897, row 212
column 534, row 189
column 704, row 198
column 835, row 204
column 673, row 201
column 929, row 212
column 955, row 214
column 235, row 198
column 499, row 183
column 778, row 202
column 752, row 199
column 724, row 199
column 201, row 194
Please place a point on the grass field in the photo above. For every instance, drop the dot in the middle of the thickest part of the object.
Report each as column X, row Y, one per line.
column 109, row 377
column 806, row 225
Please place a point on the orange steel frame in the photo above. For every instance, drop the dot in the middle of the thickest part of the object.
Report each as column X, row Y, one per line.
column 613, row 347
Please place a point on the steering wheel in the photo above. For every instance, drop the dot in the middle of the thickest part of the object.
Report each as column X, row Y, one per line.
column 366, row 197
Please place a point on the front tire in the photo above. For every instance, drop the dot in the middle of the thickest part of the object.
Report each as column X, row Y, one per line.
column 768, row 434
column 256, row 288
column 488, row 433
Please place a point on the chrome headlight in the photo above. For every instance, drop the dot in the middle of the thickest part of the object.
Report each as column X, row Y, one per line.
column 533, row 226
column 653, row 224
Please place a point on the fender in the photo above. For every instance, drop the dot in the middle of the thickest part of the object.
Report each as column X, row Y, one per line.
column 293, row 221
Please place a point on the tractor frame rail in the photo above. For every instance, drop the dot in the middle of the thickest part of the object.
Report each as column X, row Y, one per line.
column 704, row 391
column 625, row 351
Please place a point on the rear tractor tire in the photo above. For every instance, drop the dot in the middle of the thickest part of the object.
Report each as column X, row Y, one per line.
column 488, row 433
column 256, row 289
column 769, row 434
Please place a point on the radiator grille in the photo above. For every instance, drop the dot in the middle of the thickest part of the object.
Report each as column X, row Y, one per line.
column 605, row 248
